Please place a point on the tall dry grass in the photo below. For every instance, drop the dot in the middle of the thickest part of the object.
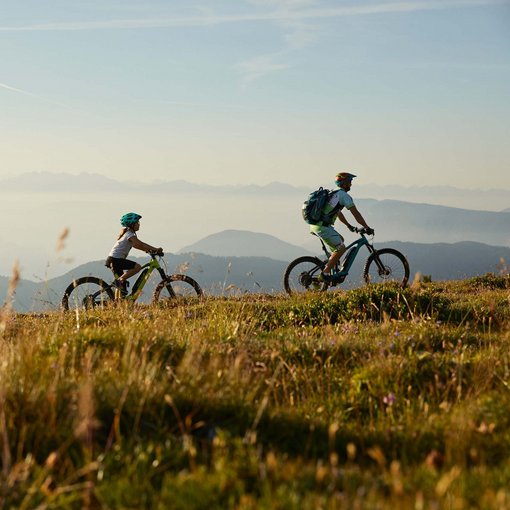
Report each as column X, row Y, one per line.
column 374, row 398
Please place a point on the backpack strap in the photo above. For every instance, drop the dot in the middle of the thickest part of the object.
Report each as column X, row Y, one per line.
column 329, row 219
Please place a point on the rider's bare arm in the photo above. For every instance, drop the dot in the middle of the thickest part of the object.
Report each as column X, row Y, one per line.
column 358, row 217
column 140, row 245
column 343, row 219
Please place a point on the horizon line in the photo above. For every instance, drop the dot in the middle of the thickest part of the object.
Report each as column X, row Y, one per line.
column 227, row 185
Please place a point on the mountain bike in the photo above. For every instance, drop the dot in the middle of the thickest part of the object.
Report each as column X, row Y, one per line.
column 90, row 292
column 382, row 266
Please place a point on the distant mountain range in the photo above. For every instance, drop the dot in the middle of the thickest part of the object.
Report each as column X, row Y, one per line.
column 239, row 274
column 181, row 217
column 408, row 221
column 41, row 182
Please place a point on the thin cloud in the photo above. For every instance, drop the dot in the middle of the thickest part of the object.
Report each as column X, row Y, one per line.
column 301, row 32
column 14, row 89
column 260, row 66
column 280, row 14
column 298, row 33
column 202, row 105
column 284, row 3
column 294, row 15
column 41, row 98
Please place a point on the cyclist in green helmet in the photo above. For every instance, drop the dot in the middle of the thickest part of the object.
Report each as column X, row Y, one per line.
column 338, row 200
column 117, row 260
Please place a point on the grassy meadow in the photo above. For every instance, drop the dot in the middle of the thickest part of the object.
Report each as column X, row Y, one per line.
column 375, row 398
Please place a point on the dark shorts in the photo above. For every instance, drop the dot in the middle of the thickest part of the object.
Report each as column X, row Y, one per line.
column 118, row 266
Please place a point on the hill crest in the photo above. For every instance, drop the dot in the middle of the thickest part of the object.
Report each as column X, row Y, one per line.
column 245, row 243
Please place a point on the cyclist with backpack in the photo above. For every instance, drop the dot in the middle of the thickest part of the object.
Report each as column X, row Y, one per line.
column 323, row 208
column 117, row 259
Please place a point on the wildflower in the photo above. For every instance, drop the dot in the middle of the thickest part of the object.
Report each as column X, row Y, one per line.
column 389, row 399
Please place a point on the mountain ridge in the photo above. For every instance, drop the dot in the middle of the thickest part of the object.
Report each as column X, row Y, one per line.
column 38, row 182
column 179, row 219
column 243, row 243
column 216, row 274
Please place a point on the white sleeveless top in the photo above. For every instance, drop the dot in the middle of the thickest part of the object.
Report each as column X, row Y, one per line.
column 121, row 248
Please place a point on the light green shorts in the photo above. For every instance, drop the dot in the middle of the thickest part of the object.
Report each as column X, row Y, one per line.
column 333, row 240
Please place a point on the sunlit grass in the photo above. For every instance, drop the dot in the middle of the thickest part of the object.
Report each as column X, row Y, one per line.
column 373, row 398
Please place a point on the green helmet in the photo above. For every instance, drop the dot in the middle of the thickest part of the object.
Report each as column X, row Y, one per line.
column 129, row 219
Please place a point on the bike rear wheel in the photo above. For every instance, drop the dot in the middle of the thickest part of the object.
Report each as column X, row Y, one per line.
column 87, row 293
column 387, row 266
column 302, row 275
column 177, row 289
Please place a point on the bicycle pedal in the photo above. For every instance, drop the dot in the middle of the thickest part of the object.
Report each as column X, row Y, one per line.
column 338, row 278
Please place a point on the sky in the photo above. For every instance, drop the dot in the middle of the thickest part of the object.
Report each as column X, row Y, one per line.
column 253, row 91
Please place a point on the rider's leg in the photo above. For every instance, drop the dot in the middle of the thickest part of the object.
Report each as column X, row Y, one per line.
column 334, row 259
column 118, row 266
column 334, row 241
column 130, row 273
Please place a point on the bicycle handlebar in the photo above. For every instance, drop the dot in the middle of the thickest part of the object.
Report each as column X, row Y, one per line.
column 363, row 231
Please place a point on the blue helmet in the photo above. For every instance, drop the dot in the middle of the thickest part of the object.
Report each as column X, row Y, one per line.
column 129, row 219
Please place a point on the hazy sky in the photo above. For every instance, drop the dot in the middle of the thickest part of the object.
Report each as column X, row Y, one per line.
column 252, row 91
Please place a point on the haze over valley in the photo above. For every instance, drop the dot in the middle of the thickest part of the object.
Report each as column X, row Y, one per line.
column 224, row 221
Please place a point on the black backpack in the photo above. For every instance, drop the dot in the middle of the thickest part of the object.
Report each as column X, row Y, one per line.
column 313, row 207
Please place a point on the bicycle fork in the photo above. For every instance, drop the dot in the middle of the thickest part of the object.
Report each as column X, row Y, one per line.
column 383, row 271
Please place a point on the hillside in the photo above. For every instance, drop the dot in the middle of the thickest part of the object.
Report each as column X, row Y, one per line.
column 445, row 261
column 217, row 275
column 371, row 398
column 242, row 243
column 455, row 261
column 234, row 275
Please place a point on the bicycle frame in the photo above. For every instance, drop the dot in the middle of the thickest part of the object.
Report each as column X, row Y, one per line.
column 90, row 291
column 351, row 251
column 143, row 277
column 382, row 265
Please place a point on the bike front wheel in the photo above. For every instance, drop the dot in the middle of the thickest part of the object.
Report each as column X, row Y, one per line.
column 302, row 275
column 387, row 266
column 177, row 289
column 87, row 293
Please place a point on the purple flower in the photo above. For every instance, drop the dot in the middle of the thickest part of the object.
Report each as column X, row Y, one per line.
column 389, row 399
